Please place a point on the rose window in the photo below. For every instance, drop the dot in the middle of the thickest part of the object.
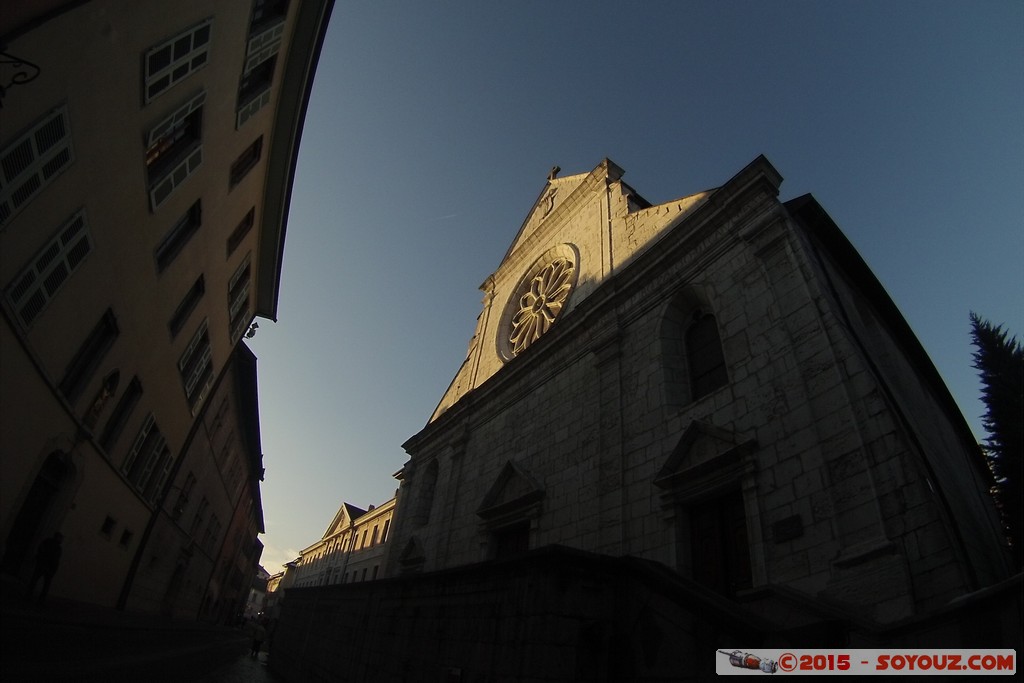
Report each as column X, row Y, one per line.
column 541, row 303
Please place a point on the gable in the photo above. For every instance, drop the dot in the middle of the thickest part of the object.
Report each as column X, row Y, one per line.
column 343, row 519
column 514, row 493
column 552, row 195
column 706, row 454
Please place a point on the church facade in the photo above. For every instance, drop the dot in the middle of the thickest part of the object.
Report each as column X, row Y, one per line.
column 717, row 384
column 678, row 428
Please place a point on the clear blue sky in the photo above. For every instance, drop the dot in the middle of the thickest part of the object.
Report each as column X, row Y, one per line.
column 432, row 127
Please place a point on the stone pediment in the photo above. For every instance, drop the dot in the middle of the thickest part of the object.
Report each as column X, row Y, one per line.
column 514, row 493
column 343, row 519
column 704, row 452
column 554, row 192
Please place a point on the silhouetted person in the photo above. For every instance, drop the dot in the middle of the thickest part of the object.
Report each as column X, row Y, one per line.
column 47, row 561
column 259, row 632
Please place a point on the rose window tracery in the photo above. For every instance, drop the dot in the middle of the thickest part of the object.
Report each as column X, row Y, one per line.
column 541, row 302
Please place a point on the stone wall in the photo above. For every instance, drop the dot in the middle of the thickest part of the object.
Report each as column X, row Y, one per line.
column 554, row 615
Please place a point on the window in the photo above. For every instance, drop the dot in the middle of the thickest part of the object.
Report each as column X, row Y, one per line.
column 33, row 160
column 266, row 31
column 362, row 541
column 239, row 233
column 254, row 90
column 178, row 236
column 175, row 59
column 238, row 299
column 89, row 356
column 212, row 532
column 107, row 530
column 149, row 460
column 267, row 13
column 187, row 305
column 186, row 490
column 246, row 161
column 32, row 290
column 126, row 539
column 373, row 539
column 199, row 516
column 704, row 356
column 384, row 535
column 174, row 150
column 123, row 409
column 196, row 367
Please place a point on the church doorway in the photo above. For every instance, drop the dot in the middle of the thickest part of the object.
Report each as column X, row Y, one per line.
column 720, row 549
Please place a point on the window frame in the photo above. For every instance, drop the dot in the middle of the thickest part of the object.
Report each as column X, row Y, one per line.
column 42, row 159
column 177, row 68
column 37, row 279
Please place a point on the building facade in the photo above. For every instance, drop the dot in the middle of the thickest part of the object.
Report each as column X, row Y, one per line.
column 351, row 550
column 717, row 384
column 147, row 154
column 678, row 428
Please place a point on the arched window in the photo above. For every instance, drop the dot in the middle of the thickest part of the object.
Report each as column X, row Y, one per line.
column 692, row 359
column 705, row 361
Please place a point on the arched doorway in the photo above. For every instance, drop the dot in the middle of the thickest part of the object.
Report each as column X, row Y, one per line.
column 50, row 487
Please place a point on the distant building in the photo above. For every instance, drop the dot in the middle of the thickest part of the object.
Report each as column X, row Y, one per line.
column 147, row 151
column 351, row 550
column 256, row 604
column 679, row 427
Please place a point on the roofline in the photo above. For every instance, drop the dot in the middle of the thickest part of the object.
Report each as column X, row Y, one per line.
column 296, row 84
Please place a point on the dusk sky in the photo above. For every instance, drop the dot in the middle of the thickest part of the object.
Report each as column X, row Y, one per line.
column 432, row 127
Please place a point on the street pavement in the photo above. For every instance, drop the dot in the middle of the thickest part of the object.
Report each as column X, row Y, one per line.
column 69, row 641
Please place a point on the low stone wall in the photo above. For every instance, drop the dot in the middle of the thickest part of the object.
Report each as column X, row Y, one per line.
column 557, row 614
column 553, row 615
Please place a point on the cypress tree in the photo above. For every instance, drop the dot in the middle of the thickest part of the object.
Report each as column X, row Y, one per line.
column 999, row 360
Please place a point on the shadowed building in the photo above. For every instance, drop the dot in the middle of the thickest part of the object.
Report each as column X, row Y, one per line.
column 679, row 427
column 147, row 152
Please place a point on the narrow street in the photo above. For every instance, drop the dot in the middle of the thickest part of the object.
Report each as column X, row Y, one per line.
column 66, row 641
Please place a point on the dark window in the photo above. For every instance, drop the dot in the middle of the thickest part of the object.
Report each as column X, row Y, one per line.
column 174, row 59
column 256, row 82
column 50, row 269
column 149, row 460
column 265, row 13
column 187, row 305
column 126, row 538
column 123, row 409
column 178, row 236
column 246, row 161
column 373, row 539
column 108, row 526
column 183, row 494
column 384, row 535
column 238, row 299
column 90, row 354
column 174, row 145
column 196, row 367
column 719, row 545
column 704, row 356
column 239, row 233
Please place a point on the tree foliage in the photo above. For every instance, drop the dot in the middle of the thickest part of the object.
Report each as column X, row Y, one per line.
column 999, row 360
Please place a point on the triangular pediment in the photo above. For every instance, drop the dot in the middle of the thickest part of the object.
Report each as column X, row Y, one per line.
column 552, row 195
column 701, row 449
column 514, row 489
column 343, row 519
column 413, row 551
